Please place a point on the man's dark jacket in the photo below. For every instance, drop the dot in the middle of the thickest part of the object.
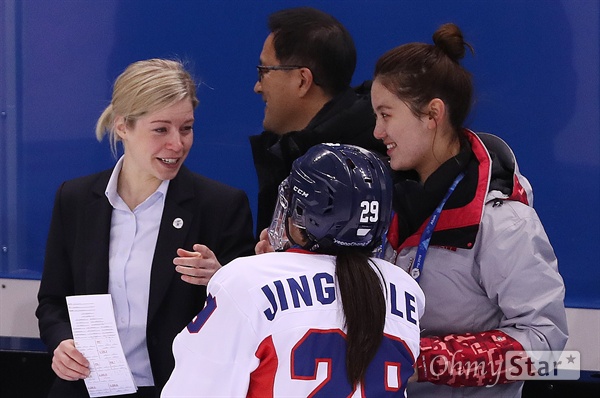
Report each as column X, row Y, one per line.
column 347, row 119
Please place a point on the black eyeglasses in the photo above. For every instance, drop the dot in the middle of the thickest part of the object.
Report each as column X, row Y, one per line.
column 262, row 69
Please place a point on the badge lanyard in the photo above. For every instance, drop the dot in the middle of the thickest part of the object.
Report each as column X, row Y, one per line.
column 417, row 267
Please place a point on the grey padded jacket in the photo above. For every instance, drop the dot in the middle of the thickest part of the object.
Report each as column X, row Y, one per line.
column 490, row 265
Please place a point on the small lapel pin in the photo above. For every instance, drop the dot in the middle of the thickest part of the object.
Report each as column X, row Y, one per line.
column 178, row 223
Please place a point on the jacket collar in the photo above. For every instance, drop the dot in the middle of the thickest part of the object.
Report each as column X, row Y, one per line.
column 459, row 221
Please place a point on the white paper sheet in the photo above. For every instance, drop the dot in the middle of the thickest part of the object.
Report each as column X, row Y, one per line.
column 96, row 337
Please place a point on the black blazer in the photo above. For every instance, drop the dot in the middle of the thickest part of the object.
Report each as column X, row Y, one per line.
column 76, row 259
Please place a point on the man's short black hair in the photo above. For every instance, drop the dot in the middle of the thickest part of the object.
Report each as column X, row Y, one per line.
column 309, row 37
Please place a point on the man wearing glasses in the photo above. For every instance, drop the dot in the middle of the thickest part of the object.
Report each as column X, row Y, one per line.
column 304, row 76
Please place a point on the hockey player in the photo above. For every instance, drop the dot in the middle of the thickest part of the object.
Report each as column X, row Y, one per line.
column 320, row 316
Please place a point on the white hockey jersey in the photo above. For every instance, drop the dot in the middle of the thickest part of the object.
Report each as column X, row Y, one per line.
column 273, row 326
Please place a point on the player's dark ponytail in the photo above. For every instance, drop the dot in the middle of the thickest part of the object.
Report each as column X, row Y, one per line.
column 364, row 309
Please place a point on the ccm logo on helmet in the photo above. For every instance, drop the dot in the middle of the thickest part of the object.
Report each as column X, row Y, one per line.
column 300, row 191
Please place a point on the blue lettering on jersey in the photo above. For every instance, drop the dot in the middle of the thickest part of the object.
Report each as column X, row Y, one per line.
column 300, row 293
column 281, row 295
column 395, row 309
column 409, row 307
column 304, row 291
column 270, row 312
column 324, row 295
column 386, row 375
column 209, row 307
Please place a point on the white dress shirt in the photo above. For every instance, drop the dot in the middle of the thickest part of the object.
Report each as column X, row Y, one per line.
column 133, row 236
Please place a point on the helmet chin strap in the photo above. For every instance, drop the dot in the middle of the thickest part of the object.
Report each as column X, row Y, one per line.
column 287, row 232
column 310, row 244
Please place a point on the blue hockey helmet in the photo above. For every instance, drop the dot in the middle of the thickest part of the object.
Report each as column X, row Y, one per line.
column 341, row 195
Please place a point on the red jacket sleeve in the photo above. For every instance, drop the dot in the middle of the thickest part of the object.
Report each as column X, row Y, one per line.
column 466, row 360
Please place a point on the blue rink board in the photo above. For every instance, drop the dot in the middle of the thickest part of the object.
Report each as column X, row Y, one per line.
column 536, row 70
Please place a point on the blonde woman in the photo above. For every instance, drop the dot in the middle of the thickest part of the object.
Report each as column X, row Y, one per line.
column 140, row 231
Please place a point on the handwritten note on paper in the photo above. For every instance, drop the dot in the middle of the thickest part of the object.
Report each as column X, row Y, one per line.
column 96, row 337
